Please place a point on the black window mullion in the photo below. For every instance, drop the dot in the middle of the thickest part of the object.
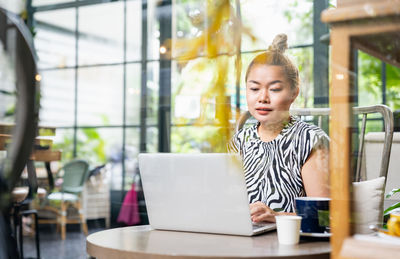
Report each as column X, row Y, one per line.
column 321, row 52
column 143, row 87
column 164, row 14
column 74, row 153
column 124, row 105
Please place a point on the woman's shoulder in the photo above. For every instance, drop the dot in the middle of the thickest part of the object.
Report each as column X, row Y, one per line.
column 244, row 135
column 316, row 136
column 246, row 132
column 308, row 128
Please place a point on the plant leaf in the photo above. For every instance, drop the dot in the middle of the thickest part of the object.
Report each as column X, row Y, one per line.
column 390, row 194
column 391, row 208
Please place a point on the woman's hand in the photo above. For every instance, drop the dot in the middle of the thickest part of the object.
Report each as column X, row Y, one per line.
column 261, row 212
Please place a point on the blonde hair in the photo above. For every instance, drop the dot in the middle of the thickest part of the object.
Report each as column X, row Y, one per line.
column 275, row 56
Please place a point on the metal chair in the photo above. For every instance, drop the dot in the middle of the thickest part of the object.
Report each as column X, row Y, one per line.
column 320, row 113
column 22, row 199
column 75, row 175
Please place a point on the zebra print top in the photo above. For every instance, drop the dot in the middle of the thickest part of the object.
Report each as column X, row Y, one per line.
column 273, row 169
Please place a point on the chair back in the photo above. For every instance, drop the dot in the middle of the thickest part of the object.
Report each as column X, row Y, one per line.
column 75, row 175
column 319, row 113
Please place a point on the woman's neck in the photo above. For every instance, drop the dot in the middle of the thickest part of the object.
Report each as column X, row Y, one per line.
column 268, row 132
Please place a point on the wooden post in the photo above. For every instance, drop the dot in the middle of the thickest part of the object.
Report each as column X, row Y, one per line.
column 340, row 140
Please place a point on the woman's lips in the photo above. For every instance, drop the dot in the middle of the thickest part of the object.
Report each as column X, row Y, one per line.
column 263, row 111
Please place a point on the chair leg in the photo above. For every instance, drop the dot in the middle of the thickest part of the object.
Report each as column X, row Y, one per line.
column 58, row 226
column 37, row 236
column 63, row 220
column 20, row 237
column 82, row 218
column 35, row 226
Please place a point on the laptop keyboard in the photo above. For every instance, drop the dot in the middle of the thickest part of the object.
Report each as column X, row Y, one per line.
column 259, row 225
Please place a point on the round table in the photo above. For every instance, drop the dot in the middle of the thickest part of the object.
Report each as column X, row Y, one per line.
column 144, row 242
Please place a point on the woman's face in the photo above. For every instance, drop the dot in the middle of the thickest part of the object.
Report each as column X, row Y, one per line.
column 269, row 94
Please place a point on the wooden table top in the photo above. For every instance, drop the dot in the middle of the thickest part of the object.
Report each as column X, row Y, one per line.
column 144, row 242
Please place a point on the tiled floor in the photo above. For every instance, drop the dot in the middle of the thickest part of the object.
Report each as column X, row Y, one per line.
column 52, row 247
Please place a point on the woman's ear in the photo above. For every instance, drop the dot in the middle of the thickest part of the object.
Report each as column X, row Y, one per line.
column 295, row 93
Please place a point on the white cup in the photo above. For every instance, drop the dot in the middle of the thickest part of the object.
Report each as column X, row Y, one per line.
column 288, row 228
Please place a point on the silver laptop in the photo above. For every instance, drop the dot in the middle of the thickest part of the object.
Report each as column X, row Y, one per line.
column 197, row 193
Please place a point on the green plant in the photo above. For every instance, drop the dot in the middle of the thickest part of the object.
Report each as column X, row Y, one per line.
column 90, row 146
column 394, row 206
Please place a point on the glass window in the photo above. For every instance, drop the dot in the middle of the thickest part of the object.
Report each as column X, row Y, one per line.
column 369, row 79
column 55, row 38
column 153, row 74
column 153, row 31
column 131, row 153
column 99, row 145
column 8, row 97
column 197, row 139
column 64, row 141
column 133, row 95
column 193, row 89
column 57, row 98
column 392, row 87
column 133, row 30
column 152, row 139
column 100, row 91
column 303, row 58
column 190, row 20
column 48, row 2
column 265, row 19
column 101, row 33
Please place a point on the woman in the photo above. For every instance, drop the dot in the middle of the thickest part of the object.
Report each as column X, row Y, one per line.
column 283, row 157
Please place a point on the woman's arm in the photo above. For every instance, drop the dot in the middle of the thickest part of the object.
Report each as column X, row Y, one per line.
column 315, row 173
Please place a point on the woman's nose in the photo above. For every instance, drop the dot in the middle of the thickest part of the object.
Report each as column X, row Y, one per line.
column 263, row 97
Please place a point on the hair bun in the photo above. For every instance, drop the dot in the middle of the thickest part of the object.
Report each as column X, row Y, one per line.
column 279, row 43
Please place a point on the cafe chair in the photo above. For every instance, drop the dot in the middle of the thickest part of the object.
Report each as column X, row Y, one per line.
column 22, row 197
column 368, row 194
column 74, row 175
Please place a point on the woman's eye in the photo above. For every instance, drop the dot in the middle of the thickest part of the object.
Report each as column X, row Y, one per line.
column 275, row 89
column 253, row 89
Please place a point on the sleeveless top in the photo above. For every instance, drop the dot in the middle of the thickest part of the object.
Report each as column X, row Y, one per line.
column 273, row 169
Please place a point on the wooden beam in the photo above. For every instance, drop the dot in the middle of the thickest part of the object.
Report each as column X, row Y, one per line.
column 340, row 146
column 366, row 10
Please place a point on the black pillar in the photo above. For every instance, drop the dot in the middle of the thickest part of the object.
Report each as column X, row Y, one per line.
column 164, row 14
column 321, row 56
